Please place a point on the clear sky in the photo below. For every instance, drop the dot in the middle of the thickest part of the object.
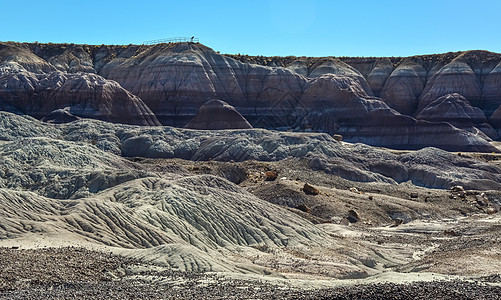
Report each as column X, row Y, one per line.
column 270, row 28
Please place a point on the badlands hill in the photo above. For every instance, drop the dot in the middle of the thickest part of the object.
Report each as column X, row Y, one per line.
column 175, row 202
column 450, row 101
column 163, row 165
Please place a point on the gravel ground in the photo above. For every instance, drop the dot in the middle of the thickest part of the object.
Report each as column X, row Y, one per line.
column 69, row 273
column 130, row 289
column 49, row 266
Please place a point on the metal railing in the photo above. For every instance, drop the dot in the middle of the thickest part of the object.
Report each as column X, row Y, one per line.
column 173, row 40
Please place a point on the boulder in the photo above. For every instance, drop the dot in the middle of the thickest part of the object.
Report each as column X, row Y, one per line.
column 397, row 222
column 353, row 216
column 270, row 175
column 310, row 190
column 303, row 208
column 337, row 137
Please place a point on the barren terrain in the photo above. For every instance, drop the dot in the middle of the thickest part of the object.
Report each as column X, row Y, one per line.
column 93, row 209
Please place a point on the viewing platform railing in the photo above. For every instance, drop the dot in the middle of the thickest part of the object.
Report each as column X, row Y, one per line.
column 173, row 40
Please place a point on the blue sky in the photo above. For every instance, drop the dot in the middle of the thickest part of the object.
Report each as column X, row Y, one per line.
column 274, row 27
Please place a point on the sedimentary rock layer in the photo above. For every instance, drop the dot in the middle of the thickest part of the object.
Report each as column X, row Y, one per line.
column 371, row 100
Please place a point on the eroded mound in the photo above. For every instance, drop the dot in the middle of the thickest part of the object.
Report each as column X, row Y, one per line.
column 217, row 115
column 209, row 204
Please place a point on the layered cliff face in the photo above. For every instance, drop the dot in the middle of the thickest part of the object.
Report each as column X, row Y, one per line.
column 456, row 110
column 176, row 79
column 410, row 85
column 379, row 101
column 30, row 85
column 86, row 95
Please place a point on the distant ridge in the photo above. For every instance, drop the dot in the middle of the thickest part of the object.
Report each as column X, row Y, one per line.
column 376, row 101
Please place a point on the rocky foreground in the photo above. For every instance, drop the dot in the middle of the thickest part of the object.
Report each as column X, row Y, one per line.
column 450, row 101
column 69, row 273
column 92, row 209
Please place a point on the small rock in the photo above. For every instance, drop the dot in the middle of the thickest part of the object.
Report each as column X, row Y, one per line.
column 457, row 188
column 451, row 232
column 353, row 216
column 371, row 198
column 303, row 207
column 354, row 190
column 397, row 222
column 338, row 137
column 271, row 175
column 310, row 190
column 490, row 210
column 414, row 195
column 481, row 202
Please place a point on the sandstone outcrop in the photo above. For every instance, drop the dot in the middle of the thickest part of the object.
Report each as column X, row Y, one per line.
column 217, row 115
column 74, row 59
column 420, row 79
